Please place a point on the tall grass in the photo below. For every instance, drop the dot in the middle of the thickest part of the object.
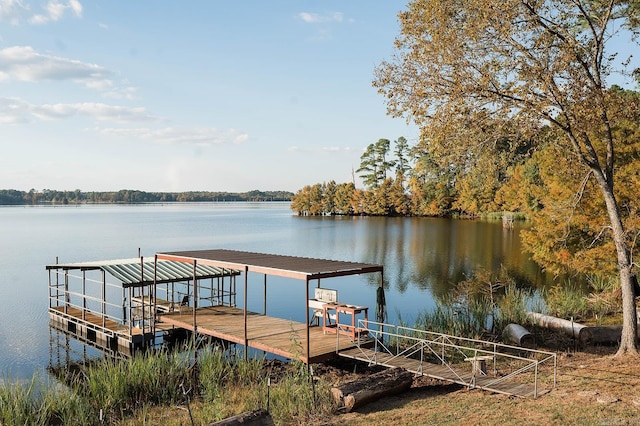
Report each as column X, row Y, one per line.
column 479, row 307
column 600, row 299
column 219, row 385
column 36, row 403
column 119, row 387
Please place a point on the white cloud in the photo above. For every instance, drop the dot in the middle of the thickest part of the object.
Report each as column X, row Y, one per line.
column 17, row 11
column 12, row 10
column 182, row 135
column 76, row 7
column 23, row 63
column 16, row 111
column 55, row 10
column 315, row 18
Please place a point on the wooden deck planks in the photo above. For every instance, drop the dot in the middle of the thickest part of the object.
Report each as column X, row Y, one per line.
column 89, row 318
column 461, row 376
column 274, row 335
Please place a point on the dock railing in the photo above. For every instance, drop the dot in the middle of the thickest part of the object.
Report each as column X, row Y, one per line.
column 455, row 353
column 95, row 309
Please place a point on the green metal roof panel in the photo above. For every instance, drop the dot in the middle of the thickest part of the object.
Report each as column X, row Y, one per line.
column 128, row 271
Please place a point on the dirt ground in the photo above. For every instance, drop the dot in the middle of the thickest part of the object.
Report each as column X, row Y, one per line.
column 593, row 388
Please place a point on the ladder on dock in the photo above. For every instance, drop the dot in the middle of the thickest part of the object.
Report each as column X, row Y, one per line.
column 476, row 364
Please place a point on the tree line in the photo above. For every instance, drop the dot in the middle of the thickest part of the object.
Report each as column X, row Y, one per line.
column 125, row 196
column 401, row 179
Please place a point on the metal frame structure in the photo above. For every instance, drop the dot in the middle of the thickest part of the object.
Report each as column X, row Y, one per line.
column 115, row 304
column 295, row 267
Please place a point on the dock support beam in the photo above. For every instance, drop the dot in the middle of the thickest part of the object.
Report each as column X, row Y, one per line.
column 246, row 336
column 195, row 307
column 264, row 308
column 306, row 303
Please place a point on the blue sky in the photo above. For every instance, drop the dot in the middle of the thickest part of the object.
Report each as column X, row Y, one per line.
column 195, row 95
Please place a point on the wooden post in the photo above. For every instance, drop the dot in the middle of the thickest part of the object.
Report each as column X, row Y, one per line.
column 264, row 309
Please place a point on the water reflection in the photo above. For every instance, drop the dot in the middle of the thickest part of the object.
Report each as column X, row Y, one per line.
column 428, row 254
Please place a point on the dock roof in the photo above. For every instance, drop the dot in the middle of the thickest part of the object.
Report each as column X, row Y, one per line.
column 297, row 267
column 129, row 272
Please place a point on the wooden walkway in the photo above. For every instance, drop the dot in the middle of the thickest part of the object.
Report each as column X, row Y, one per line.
column 274, row 335
column 460, row 374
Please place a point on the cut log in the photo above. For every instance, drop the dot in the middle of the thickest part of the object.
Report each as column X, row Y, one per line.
column 518, row 335
column 259, row 417
column 604, row 335
column 371, row 388
column 586, row 335
column 570, row 328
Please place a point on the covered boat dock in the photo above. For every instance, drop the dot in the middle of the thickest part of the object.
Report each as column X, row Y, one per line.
column 295, row 340
column 129, row 304
column 114, row 304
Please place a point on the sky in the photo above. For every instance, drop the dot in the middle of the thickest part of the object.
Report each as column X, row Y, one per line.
column 191, row 95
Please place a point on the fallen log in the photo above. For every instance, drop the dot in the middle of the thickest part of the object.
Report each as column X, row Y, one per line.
column 371, row 388
column 570, row 328
column 259, row 417
column 603, row 335
column 586, row 335
column 518, row 335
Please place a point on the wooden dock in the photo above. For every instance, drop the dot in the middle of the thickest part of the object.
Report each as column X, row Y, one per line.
column 462, row 374
column 274, row 335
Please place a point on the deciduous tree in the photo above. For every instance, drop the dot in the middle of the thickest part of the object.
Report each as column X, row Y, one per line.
column 536, row 61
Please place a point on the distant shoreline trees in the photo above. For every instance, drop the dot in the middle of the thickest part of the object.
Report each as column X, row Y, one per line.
column 405, row 180
column 125, row 196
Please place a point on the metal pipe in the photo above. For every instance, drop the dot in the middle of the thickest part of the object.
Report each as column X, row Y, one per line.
column 142, row 290
column 555, row 365
column 130, row 314
column 246, row 335
column 264, row 308
column 195, row 305
column 306, row 304
column 84, row 292
column 66, row 291
column 535, row 383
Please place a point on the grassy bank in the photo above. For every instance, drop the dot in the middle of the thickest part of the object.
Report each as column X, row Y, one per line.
column 113, row 392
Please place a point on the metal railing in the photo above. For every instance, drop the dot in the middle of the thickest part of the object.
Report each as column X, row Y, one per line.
column 427, row 347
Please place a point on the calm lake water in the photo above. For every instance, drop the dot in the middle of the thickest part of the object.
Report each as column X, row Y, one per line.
column 421, row 256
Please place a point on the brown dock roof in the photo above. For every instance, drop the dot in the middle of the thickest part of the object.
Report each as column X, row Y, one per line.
column 303, row 268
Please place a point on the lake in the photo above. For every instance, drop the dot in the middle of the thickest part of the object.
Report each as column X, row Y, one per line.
column 421, row 256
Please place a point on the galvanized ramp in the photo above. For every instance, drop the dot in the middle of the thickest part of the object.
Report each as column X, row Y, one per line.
column 503, row 369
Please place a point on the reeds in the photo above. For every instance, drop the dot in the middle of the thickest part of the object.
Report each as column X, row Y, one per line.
column 219, row 385
column 36, row 403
